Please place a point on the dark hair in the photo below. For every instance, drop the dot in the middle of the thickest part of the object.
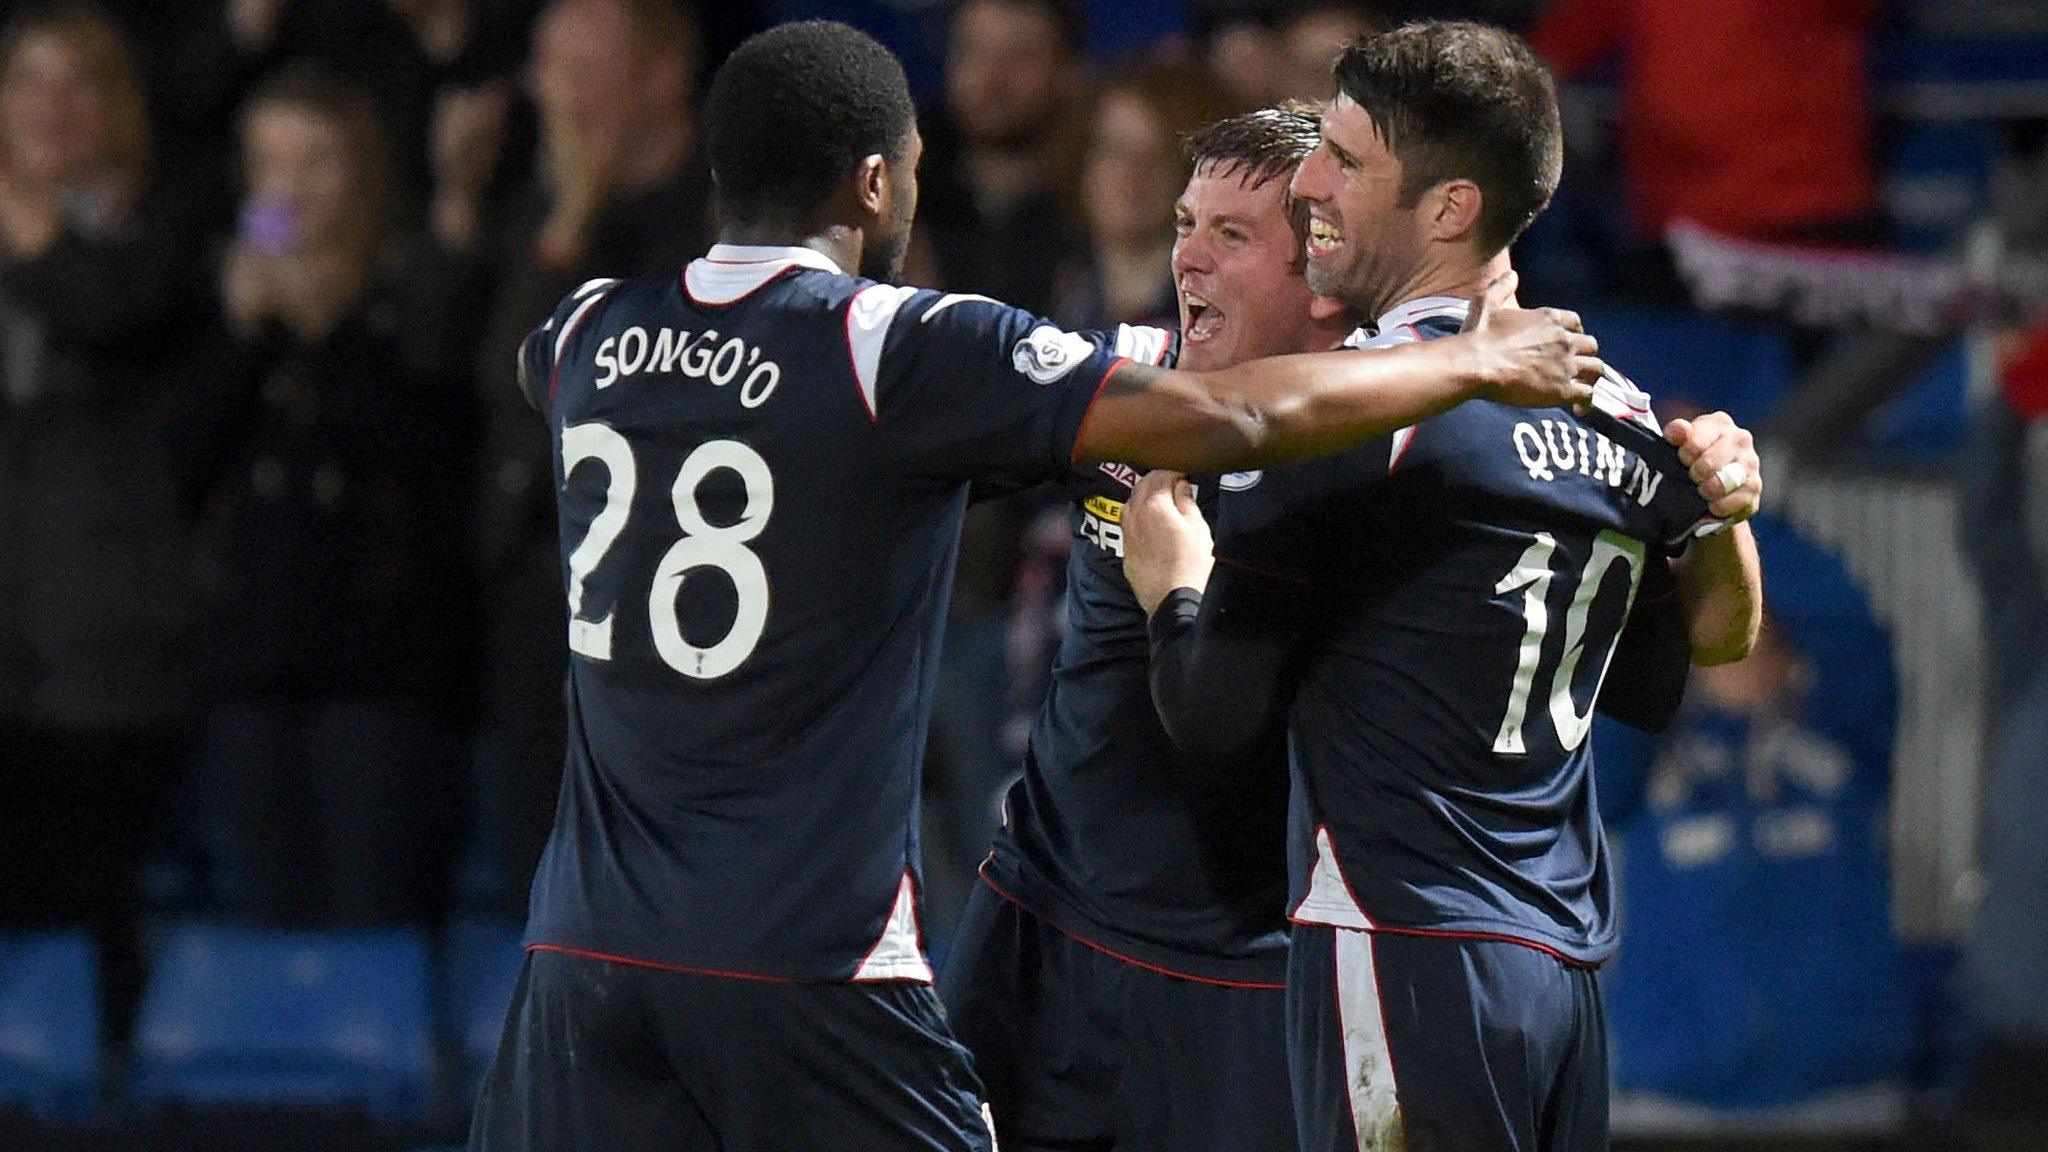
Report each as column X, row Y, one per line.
column 1261, row 146
column 793, row 111
column 1456, row 99
column 1068, row 17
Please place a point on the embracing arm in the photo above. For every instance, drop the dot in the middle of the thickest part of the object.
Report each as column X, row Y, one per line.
column 1222, row 646
column 1286, row 408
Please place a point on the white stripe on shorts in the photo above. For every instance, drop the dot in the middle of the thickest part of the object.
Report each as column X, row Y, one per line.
column 1368, row 1061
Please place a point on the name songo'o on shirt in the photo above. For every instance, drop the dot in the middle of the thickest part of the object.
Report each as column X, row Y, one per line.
column 699, row 356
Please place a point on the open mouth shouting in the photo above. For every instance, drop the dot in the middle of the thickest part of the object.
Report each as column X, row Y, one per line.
column 1202, row 319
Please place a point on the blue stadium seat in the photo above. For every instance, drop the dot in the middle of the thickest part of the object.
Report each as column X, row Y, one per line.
column 1927, row 422
column 483, row 967
column 240, row 1016
column 1739, row 366
column 49, row 1022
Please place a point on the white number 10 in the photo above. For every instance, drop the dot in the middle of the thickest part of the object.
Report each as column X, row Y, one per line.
column 704, row 545
column 1532, row 574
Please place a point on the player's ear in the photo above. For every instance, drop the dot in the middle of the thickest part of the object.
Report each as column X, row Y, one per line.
column 1453, row 209
column 871, row 184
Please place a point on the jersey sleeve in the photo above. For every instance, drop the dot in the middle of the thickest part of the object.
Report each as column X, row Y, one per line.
column 541, row 353
column 1652, row 661
column 969, row 389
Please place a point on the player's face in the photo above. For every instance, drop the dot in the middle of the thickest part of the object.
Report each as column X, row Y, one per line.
column 1363, row 247
column 1237, row 272
column 882, row 257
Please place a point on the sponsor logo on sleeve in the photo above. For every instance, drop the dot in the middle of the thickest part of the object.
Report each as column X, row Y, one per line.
column 1047, row 355
column 1238, row 481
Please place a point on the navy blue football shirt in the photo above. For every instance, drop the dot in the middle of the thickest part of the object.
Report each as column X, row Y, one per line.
column 1470, row 576
column 1105, row 835
column 763, row 466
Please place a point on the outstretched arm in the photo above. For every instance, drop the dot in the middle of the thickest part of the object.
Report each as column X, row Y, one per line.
column 1286, row 408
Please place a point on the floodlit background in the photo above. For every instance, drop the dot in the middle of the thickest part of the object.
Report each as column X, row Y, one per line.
column 280, row 612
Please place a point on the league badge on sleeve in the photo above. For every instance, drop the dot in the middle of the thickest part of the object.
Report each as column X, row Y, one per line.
column 1048, row 354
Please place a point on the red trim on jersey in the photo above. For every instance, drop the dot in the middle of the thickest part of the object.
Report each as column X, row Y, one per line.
column 1251, row 985
column 916, row 932
column 1257, row 571
column 581, row 313
column 1413, row 431
column 633, row 962
column 1496, row 937
column 853, row 362
column 1080, row 431
column 1322, row 832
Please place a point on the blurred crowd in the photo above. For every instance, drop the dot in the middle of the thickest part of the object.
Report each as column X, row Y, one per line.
column 280, row 597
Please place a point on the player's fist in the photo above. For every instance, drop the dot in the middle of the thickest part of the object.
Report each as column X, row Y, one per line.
column 1166, row 541
column 1721, row 456
column 1530, row 357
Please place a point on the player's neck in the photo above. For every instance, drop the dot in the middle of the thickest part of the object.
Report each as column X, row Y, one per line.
column 1458, row 277
column 837, row 242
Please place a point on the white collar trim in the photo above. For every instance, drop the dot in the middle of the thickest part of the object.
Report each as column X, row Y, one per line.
column 1424, row 308
column 731, row 271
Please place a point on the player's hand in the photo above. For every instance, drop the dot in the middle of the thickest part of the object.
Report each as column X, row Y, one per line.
column 1722, row 458
column 1166, row 541
column 1530, row 357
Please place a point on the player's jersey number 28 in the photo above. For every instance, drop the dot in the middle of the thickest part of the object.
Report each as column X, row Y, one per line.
column 703, row 545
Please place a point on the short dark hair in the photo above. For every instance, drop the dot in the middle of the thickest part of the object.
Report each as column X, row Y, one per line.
column 1456, row 99
column 793, row 111
column 1261, row 146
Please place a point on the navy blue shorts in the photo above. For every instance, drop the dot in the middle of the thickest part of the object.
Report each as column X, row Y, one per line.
column 1082, row 1051
column 1456, row 1045
column 604, row 1055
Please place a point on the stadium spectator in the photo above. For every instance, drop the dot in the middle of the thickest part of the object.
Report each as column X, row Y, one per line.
column 1750, row 119
column 2005, row 535
column 1760, row 974
column 341, row 638
column 995, row 216
column 1257, row 63
column 1130, row 175
column 620, row 189
column 1001, row 162
column 96, row 591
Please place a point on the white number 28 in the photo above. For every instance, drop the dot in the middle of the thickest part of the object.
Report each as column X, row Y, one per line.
column 703, row 545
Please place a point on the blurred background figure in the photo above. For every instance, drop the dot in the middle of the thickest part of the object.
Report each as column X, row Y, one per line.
column 1130, row 176
column 2005, row 521
column 619, row 188
column 1761, row 986
column 96, row 581
column 341, row 638
column 1002, row 157
column 1781, row 154
column 1261, row 60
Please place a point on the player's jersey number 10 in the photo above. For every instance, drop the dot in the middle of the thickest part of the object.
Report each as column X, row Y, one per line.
column 703, row 545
